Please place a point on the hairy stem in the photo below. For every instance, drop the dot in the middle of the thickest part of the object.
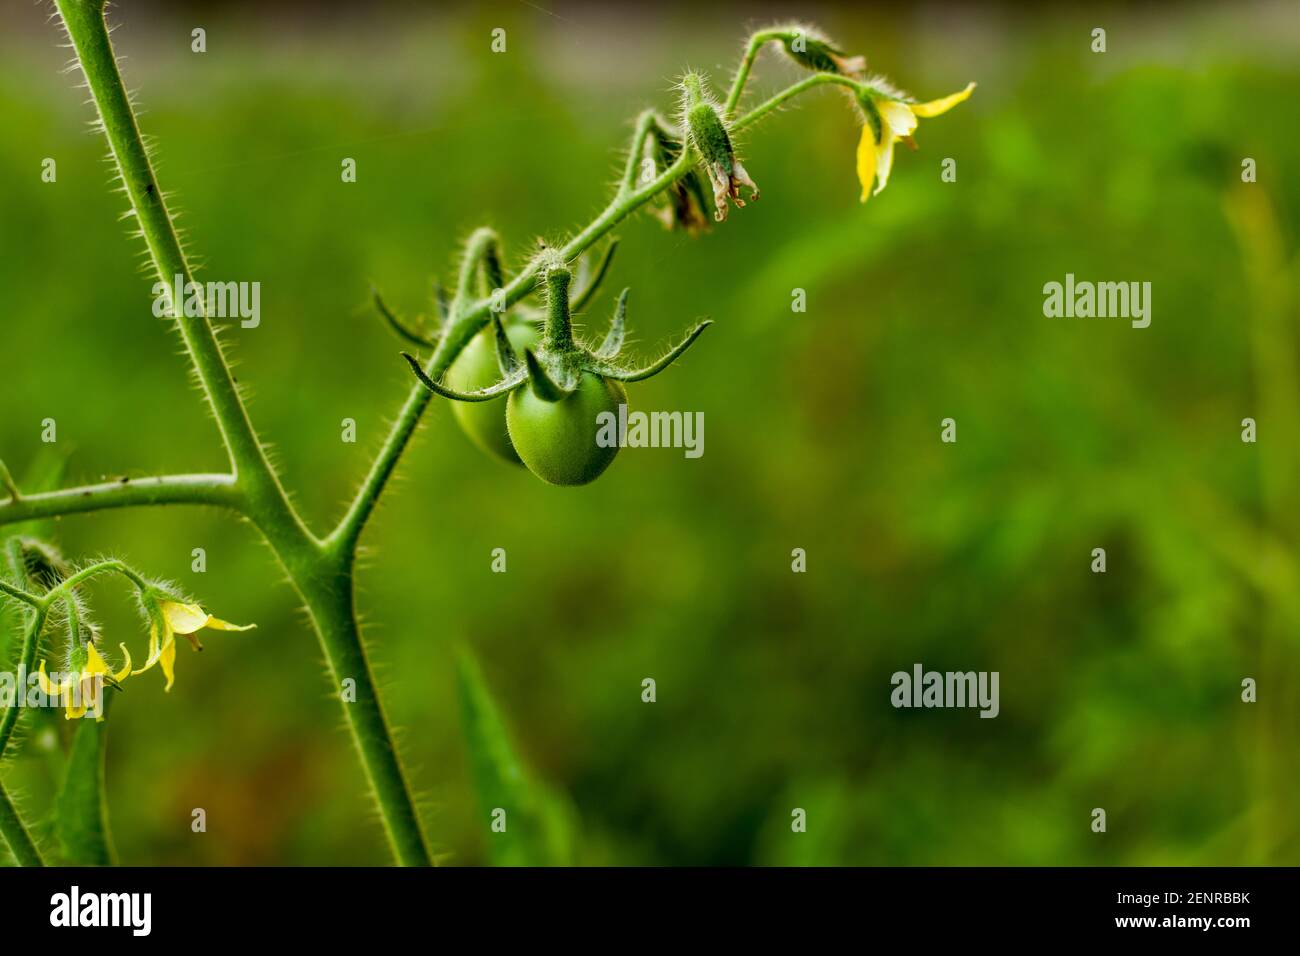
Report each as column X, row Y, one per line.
column 217, row 490
column 803, row 86
column 18, row 594
column 65, row 587
column 648, row 123
column 84, row 20
column 331, row 604
column 11, row 824
column 257, row 490
column 15, row 833
column 756, row 43
column 26, row 665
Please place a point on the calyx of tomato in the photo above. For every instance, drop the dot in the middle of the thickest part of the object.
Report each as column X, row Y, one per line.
column 555, row 368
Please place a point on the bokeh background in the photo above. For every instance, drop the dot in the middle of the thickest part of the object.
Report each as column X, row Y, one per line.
column 1118, row 690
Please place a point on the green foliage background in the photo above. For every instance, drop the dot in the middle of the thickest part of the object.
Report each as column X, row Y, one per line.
column 822, row 432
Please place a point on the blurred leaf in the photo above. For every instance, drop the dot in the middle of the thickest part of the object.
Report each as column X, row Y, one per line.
column 538, row 831
column 81, row 814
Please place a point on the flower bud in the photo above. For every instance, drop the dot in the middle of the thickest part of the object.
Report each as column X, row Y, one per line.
column 813, row 50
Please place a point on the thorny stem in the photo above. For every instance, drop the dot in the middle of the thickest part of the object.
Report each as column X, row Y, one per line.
column 321, row 568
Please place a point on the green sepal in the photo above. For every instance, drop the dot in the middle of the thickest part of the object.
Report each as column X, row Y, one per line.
column 614, row 338
column 403, row 331
column 869, row 110
column 609, row 370
column 481, row 395
column 543, row 385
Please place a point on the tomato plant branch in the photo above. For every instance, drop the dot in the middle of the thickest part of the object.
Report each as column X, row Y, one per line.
column 69, row 584
column 756, row 42
column 216, row 490
column 84, row 20
column 803, row 86
column 474, row 316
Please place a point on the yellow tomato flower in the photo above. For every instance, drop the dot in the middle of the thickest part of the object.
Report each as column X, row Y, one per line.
column 888, row 121
column 183, row 619
column 80, row 686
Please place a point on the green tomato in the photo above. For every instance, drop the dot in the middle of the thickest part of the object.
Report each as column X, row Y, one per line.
column 557, row 440
column 476, row 367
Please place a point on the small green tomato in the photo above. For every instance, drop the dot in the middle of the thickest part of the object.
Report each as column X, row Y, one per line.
column 557, row 440
column 476, row 367
column 559, row 394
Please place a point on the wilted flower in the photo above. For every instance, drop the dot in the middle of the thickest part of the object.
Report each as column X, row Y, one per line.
column 708, row 133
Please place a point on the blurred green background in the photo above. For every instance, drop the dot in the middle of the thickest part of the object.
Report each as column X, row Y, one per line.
column 1119, row 690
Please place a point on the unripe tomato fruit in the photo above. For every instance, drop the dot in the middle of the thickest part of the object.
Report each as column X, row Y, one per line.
column 557, row 440
column 476, row 367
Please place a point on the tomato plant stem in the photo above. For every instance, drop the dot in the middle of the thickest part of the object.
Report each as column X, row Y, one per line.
column 216, row 490
column 26, row 665
column 16, row 835
column 323, row 583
